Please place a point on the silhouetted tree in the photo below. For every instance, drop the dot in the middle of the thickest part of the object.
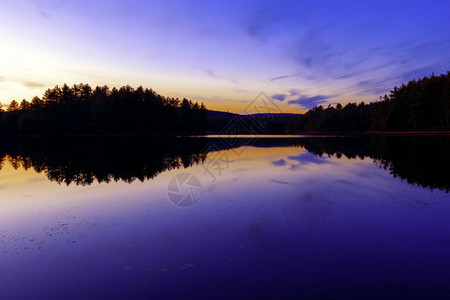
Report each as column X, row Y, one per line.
column 419, row 105
column 13, row 106
column 82, row 110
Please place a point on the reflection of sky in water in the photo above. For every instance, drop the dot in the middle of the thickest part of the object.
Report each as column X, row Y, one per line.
column 277, row 220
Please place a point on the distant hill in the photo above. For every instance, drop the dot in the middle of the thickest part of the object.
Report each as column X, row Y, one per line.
column 272, row 115
column 222, row 114
column 274, row 123
column 211, row 114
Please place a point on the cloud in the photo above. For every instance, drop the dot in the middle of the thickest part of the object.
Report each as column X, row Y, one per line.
column 295, row 97
column 48, row 8
column 263, row 22
column 28, row 83
column 33, row 84
column 281, row 77
column 362, row 54
column 212, row 74
column 294, row 92
column 376, row 87
column 45, row 15
column 291, row 93
column 418, row 73
column 279, row 97
column 310, row 102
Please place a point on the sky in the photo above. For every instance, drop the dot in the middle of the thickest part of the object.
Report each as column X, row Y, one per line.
column 224, row 53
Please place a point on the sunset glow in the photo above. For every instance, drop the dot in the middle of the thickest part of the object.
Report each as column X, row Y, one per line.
column 223, row 53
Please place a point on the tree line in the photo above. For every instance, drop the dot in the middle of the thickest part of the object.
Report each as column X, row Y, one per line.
column 421, row 105
column 81, row 109
column 417, row 106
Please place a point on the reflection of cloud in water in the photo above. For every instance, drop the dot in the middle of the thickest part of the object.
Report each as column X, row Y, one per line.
column 35, row 179
column 278, row 181
column 280, row 162
column 307, row 158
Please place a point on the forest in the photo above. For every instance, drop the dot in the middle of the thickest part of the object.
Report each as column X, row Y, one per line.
column 422, row 105
column 82, row 110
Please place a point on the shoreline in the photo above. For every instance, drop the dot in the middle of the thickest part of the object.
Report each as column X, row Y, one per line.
column 217, row 135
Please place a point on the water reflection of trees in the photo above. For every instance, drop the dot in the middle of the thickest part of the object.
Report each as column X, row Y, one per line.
column 83, row 161
column 422, row 160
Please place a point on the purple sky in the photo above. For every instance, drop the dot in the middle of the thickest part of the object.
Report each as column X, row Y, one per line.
column 224, row 53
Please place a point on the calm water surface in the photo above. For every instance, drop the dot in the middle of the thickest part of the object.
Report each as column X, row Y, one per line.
column 296, row 218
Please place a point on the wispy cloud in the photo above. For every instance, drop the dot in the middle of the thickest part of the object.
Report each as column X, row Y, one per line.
column 27, row 83
column 212, row 74
column 304, row 101
column 374, row 86
column 294, row 92
column 308, row 102
column 47, row 8
column 281, row 77
column 366, row 53
column 279, row 97
column 34, row 84
column 352, row 49
column 45, row 15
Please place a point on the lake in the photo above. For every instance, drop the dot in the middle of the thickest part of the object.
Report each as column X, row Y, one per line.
column 300, row 217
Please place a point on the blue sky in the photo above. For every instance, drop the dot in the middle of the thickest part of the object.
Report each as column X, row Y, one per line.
column 224, row 53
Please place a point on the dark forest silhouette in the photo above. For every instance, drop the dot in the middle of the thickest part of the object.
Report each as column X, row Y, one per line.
column 422, row 105
column 82, row 109
column 422, row 160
